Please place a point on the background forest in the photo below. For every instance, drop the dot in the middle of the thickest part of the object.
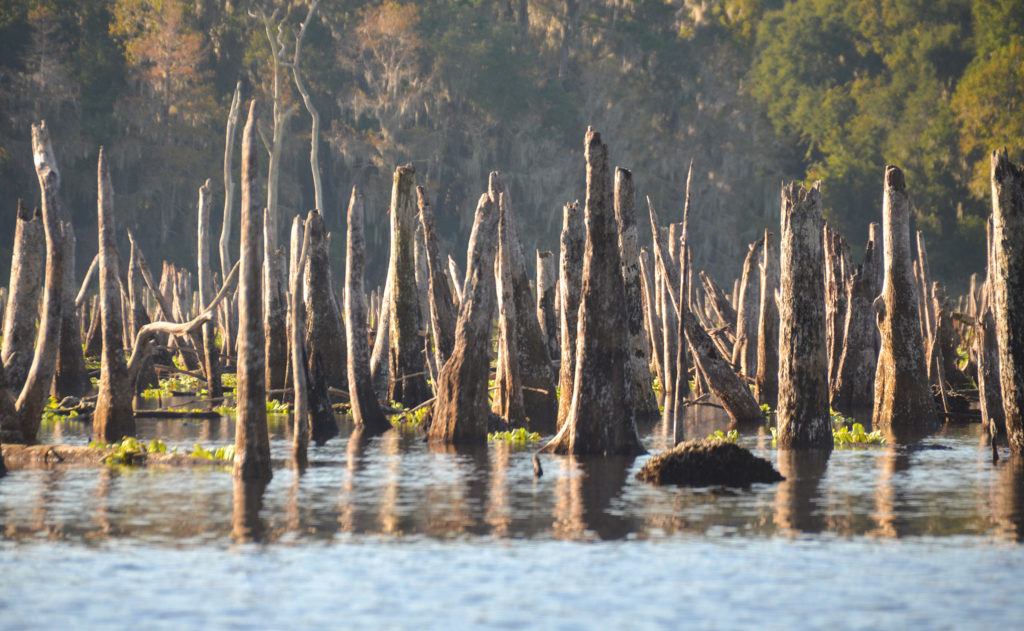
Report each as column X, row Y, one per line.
column 754, row 91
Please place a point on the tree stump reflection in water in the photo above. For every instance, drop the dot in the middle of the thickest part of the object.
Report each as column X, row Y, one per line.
column 1008, row 499
column 246, row 523
column 796, row 497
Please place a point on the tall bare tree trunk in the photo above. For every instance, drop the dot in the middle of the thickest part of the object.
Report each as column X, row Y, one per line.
column 570, row 282
column 252, row 442
column 461, row 407
column 443, row 313
column 275, row 309
column 228, row 313
column 140, row 318
column 803, row 416
column 547, row 290
column 903, row 403
column 296, row 342
column 602, row 419
column 508, row 394
column 71, row 377
column 366, row 410
column 113, row 417
column 744, row 353
column 837, row 265
column 27, row 265
column 407, row 384
column 211, row 354
column 767, row 381
column 1008, row 290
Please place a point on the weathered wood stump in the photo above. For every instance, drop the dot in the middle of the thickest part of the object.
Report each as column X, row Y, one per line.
column 1008, row 290
column 766, row 384
column 252, row 441
column 854, row 385
column 443, row 313
column 903, row 404
column 570, row 282
column 70, row 377
column 547, row 290
column 644, row 402
column 211, row 354
column 461, row 407
column 602, row 419
column 27, row 265
column 744, row 353
column 366, row 410
column 803, row 412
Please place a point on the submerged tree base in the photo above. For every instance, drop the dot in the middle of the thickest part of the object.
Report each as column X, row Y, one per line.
column 707, row 463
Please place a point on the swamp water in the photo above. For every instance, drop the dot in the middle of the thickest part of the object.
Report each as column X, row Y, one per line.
column 390, row 533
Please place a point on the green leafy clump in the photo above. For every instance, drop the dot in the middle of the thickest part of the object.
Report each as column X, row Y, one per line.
column 520, row 436
column 409, row 418
column 125, row 450
column 845, row 436
column 229, row 380
column 767, row 410
column 180, row 383
column 730, row 437
column 276, row 407
column 226, row 452
column 656, row 384
column 53, row 414
column 225, row 410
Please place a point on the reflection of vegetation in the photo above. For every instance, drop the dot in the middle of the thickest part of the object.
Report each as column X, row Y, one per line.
column 730, row 437
column 519, row 436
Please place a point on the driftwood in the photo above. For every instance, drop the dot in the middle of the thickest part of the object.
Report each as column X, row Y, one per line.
column 602, row 419
column 766, row 383
column 1008, row 290
column 27, row 265
column 366, row 410
column 570, row 282
column 903, row 403
column 644, row 402
column 252, row 442
column 443, row 314
column 405, row 348
column 461, row 407
column 803, row 412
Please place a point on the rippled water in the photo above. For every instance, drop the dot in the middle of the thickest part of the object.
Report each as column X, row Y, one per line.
column 393, row 533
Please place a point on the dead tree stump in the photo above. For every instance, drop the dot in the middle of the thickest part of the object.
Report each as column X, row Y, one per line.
column 407, row 384
column 803, row 413
column 547, row 289
column 854, row 384
column 837, row 265
column 461, row 407
column 366, row 410
column 275, row 309
column 644, row 402
column 113, row 417
column 744, row 353
column 27, row 265
column 1008, row 290
column 508, row 393
column 252, row 441
column 71, row 377
column 570, row 282
column 903, row 402
column 211, row 354
column 140, row 318
column 325, row 330
column 767, row 380
column 443, row 314
column 602, row 419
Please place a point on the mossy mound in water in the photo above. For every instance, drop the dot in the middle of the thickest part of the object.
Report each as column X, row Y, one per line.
column 708, row 463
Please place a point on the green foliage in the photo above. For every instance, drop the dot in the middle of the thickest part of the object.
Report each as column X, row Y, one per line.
column 520, row 436
column 125, row 450
column 845, row 436
column 226, row 452
column 276, row 407
column 53, row 414
column 407, row 419
column 766, row 410
column 732, row 436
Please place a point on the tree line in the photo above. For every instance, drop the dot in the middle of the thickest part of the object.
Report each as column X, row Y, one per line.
column 754, row 91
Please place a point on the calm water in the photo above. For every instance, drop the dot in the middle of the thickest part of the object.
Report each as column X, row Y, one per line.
column 389, row 533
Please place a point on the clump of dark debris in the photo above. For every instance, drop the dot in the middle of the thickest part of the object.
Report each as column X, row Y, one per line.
column 708, row 463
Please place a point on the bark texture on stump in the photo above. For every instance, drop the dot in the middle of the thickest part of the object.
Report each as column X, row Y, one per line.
column 652, row 321
column 211, row 355
column 803, row 414
column 644, row 402
column 407, row 384
column 40, row 374
column 71, row 377
column 27, row 265
column 461, row 407
column 1008, row 290
column 301, row 418
column 508, row 393
column 275, row 308
column 443, row 314
column 837, row 264
column 325, row 330
column 854, row 384
column 767, row 380
column 537, row 376
column 547, row 288
column 252, row 442
column 366, row 410
column 570, row 282
column 113, row 417
column 602, row 419
column 903, row 403
column 744, row 353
